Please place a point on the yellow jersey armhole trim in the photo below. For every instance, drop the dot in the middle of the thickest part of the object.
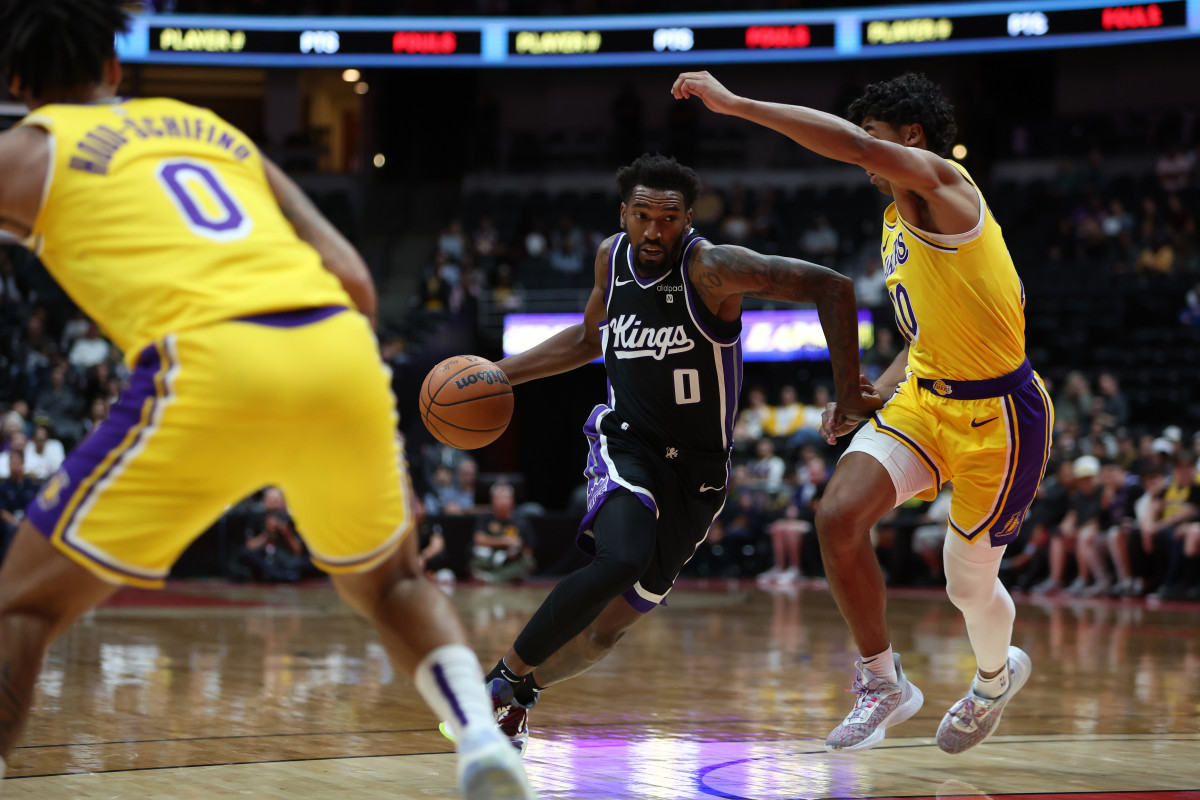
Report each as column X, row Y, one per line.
column 36, row 242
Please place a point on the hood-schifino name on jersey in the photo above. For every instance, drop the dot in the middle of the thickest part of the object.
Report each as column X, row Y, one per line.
column 674, row 368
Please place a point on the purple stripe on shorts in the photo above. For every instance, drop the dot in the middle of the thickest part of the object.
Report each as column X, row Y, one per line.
column 46, row 510
column 600, row 482
column 639, row 603
column 1031, row 410
column 1010, row 419
column 293, row 319
column 439, row 675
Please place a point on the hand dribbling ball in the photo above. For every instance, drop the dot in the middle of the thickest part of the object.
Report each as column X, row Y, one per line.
column 466, row 402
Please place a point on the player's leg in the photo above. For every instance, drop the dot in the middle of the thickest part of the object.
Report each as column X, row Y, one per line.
column 973, row 585
column 347, row 485
column 424, row 639
column 420, row 630
column 595, row 642
column 860, row 492
column 625, row 533
column 878, row 471
column 41, row 593
column 581, row 619
column 687, row 517
column 996, row 473
column 123, row 506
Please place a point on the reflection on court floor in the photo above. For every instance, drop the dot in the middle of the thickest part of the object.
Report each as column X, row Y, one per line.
column 214, row 690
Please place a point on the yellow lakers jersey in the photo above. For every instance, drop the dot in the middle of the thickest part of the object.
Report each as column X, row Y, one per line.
column 958, row 299
column 157, row 217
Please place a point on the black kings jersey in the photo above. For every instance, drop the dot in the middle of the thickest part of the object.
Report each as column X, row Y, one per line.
column 674, row 368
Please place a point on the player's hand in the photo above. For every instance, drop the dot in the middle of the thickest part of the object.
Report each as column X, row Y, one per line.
column 862, row 406
column 707, row 88
column 842, row 417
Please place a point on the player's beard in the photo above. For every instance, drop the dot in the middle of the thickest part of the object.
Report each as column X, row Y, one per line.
column 663, row 267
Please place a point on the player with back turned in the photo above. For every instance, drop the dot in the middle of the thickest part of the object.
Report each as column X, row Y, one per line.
column 232, row 299
column 665, row 313
column 963, row 402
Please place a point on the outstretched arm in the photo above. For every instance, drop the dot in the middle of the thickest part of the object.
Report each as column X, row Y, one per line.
column 953, row 206
column 571, row 347
column 831, row 136
column 337, row 254
column 723, row 271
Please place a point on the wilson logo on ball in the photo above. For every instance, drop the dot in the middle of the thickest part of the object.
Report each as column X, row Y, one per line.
column 489, row 377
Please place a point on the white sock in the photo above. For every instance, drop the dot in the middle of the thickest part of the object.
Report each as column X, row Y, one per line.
column 991, row 688
column 882, row 665
column 450, row 680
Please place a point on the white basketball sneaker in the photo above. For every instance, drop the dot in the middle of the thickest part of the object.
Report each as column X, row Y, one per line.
column 879, row 706
column 974, row 718
column 489, row 768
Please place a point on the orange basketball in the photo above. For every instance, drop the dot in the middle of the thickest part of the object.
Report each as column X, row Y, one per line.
column 466, row 402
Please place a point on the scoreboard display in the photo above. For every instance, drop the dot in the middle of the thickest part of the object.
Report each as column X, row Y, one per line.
column 1111, row 20
column 679, row 39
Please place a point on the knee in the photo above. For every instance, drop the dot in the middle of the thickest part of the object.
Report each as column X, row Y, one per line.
column 965, row 593
column 600, row 642
column 621, row 573
column 838, row 521
column 368, row 592
column 27, row 629
column 975, row 589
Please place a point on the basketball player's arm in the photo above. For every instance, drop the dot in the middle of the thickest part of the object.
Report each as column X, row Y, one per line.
column 893, row 375
column 24, row 162
column 571, row 347
column 911, row 168
column 337, row 254
column 721, row 272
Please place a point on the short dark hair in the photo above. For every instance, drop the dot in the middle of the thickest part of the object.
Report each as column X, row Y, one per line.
column 659, row 172
column 910, row 98
column 58, row 44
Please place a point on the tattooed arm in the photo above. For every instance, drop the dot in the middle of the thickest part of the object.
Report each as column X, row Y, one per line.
column 337, row 254
column 723, row 274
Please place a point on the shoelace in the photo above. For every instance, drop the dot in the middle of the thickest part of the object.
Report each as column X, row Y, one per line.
column 969, row 711
column 868, row 694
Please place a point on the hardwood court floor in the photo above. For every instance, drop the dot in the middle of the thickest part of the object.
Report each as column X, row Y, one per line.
column 212, row 690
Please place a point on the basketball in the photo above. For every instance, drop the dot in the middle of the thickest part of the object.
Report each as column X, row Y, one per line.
column 466, row 402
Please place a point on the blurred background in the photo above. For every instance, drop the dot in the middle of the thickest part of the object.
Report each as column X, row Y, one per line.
column 471, row 158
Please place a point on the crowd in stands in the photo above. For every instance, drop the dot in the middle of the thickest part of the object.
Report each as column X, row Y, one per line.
column 1111, row 264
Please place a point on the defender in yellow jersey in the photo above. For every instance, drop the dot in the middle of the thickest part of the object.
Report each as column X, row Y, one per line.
column 963, row 403
column 231, row 297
